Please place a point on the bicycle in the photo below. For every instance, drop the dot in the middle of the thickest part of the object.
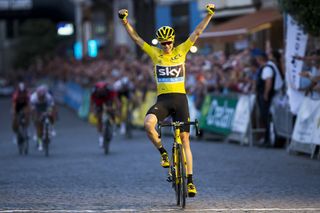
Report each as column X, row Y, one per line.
column 22, row 134
column 46, row 124
column 107, row 130
column 178, row 166
column 128, row 121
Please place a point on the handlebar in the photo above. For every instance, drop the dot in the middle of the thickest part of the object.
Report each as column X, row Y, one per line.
column 178, row 124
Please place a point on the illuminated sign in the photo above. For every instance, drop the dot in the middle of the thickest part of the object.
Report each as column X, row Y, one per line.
column 65, row 29
column 92, row 48
column 77, row 50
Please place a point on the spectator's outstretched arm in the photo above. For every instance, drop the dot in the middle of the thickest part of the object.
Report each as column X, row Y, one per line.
column 307, row 58
column 133, row 34
column 314, row 79
column 203, row 24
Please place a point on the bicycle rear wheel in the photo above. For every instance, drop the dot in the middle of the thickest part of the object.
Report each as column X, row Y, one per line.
column 183, row 179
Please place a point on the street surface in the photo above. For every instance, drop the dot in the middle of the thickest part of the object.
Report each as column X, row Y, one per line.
column 78, row 177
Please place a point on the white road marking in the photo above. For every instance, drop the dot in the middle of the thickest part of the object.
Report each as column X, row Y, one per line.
column 169, row 210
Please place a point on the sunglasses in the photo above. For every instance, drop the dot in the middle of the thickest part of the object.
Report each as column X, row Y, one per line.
column 166, row 43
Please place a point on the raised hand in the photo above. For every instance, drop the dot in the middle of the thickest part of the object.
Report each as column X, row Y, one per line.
column 211, row 8
column 123, row 13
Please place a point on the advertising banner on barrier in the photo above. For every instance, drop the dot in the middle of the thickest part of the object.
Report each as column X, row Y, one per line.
column 193, row 113
column 59, row 90
column 73, row 96
column 296, row 46
column 84, row 108
column 217, row 114
column 192, row 108
column 316, row 134
column 243, row 113
column 307, row 124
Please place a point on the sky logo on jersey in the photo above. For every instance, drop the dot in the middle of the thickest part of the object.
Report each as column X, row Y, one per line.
column 168, row 74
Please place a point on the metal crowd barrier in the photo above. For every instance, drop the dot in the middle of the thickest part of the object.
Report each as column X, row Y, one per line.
column 306, row 133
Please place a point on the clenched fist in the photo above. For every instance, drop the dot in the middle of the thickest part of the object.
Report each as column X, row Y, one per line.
column 211, row 8
column 123, row 13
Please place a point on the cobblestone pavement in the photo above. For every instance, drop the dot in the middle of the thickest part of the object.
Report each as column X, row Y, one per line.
column 78, row 177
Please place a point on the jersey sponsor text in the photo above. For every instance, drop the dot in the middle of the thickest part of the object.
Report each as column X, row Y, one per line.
column 167, row 74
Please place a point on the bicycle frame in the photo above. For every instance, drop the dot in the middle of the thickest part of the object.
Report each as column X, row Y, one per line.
column 177, row 173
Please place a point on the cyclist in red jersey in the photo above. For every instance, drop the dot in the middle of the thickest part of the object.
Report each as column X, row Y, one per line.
column 103, row 97
column 20, row 103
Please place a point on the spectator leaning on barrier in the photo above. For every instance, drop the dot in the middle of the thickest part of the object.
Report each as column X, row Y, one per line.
column 268, row 82
column 311, row 77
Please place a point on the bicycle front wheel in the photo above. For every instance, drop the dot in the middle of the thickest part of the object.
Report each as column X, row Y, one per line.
column 177, row 174
column 182, row 179
column 46, row 147
column 107, row 136
column 26, row 146
column 20, row 145
column 106, row 144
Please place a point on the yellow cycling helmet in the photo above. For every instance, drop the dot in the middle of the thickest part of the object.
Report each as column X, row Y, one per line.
column 165, row 33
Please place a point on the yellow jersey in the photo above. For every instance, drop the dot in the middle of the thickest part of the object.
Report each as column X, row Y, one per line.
column 169, row 69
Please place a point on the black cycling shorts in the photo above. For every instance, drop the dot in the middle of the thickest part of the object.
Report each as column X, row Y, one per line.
column 174, row 105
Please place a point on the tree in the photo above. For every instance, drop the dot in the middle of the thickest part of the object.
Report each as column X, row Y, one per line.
column 305, row 12
column 38, row 37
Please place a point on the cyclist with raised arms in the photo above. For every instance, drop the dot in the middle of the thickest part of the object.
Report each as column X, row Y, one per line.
column 169, row 71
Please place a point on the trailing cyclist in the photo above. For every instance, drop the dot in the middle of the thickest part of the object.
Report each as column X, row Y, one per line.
column 126, row 90
column 102, row 96
column 20, row 104
column 169, row 70
column 42, row 103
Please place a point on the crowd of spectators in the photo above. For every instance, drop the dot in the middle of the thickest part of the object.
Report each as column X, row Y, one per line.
column 214, row 72
column 205, row 73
